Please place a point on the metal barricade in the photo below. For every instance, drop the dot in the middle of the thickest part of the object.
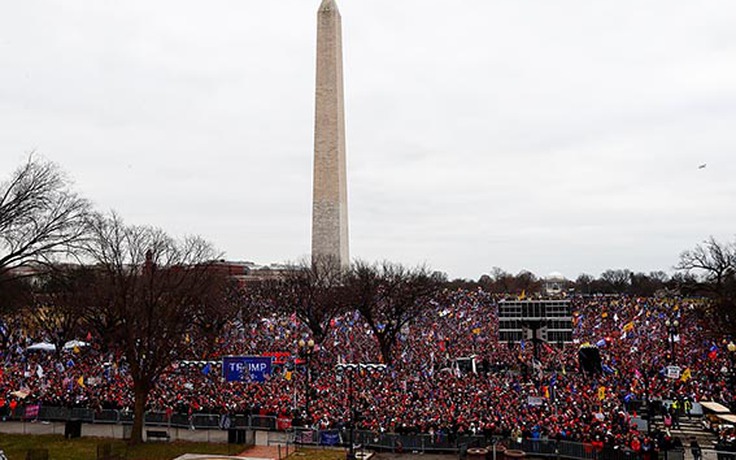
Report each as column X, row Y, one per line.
column 107, row 416
column 54, row 414
column 205, row 421
column 539, row 447
column 84, row 415
column 126, row 417
column 180, row 421
column 263, row 422
column 576, row 450
column 156, row 419
column 239, row 421
column 472, row 441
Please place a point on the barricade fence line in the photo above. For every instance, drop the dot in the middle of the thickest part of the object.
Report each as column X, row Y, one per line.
column 422, row 443
column 151, row 418
column 438, row 442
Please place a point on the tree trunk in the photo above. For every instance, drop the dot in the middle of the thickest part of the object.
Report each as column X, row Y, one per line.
column 141, row 396
column 386, row 346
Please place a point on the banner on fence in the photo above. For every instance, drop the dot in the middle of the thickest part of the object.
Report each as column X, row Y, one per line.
column 32, row 410
column 246, row 368
column 329, row 438
column 304, row 437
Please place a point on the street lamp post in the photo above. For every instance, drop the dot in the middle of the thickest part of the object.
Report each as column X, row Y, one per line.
column 731, row 347
column 672, row 333
column 306, row 348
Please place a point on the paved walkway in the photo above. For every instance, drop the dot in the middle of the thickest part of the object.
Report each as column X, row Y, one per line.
column 264, row 452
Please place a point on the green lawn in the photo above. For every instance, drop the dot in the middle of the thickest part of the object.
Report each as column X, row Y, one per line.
column 318, row 454
column 16, row 446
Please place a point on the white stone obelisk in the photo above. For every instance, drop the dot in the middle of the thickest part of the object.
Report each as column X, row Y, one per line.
column 330, row 196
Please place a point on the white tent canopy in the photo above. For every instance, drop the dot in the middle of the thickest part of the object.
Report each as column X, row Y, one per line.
column 75, row 343
column 45, row 346
column 42, row 346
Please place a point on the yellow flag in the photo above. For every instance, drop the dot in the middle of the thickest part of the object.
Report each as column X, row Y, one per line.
column 686, row 375
column 523, row 294
column 629, row 326
column 287, row 376
column 80, row 381
column 604, row 314
column 476, row 331
column 76, row 349
column 602, row 393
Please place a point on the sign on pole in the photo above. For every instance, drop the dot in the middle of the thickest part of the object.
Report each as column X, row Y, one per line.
column 246, row 368
column 673, row 372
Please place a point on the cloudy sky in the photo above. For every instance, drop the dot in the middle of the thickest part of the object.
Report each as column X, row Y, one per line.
column 542, row 135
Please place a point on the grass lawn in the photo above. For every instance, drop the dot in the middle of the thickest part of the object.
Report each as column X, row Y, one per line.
column 318, row 454
column 16, row 446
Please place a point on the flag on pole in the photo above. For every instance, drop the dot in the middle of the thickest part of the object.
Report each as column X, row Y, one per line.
column 80, row 381
column 287, row 376
column 601, row 393
column 686, row 375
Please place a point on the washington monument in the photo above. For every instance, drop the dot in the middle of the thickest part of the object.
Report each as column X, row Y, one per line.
column 330, row 196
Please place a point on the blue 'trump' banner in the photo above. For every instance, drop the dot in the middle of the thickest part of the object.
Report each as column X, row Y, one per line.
column 246, row 368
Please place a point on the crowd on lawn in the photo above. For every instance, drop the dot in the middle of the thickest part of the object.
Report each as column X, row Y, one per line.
column 513, row 394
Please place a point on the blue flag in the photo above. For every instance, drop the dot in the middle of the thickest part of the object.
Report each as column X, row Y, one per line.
column 206, row 369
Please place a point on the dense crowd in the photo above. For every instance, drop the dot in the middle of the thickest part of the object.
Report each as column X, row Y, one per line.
column 512, row 394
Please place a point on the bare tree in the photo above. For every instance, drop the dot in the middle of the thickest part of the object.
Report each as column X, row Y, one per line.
column 617, row 280
column 153, row 296
column 40, row 218
column 584, row 283
column 713, row 266
column 714, row 262
column 314, row 291
column 389, row 296
column 59, row 300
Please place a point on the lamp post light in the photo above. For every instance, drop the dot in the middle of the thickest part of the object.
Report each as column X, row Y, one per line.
column 672, row 327
column 731, row 347
column 306, row 349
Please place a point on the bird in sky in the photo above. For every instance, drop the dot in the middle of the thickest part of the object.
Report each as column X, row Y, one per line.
column 702, row 166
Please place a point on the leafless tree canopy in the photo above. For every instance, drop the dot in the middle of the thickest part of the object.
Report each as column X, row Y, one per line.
column 712, row 265
column 713, row 261
column 389, row 296
column 153, row 296
column 58, row 300
column 40, row 216
column 314, row 291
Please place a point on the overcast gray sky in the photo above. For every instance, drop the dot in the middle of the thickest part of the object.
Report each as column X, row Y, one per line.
column 541, row 135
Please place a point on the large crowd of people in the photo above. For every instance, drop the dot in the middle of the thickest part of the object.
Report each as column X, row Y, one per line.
column 513, row 393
